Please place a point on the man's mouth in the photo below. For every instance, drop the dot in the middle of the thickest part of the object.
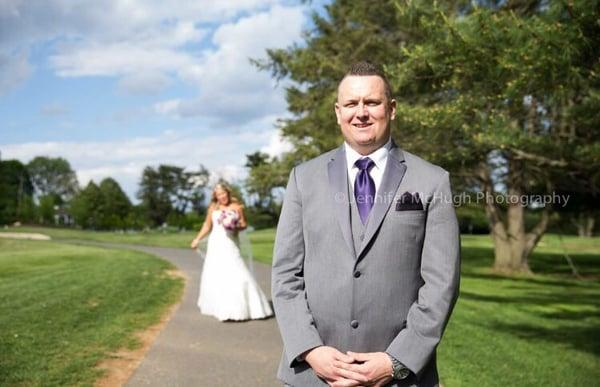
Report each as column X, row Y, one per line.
column 363, row 125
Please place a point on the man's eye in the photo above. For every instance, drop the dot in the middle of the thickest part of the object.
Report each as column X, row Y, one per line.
column 350, row 104
column 373, row 103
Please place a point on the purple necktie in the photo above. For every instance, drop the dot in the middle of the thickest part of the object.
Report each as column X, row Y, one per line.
column 364, row 188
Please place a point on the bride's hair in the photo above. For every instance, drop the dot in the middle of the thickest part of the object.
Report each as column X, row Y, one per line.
column 226, row 188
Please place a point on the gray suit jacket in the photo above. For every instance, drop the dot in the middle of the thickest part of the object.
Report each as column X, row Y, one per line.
column 408, row 267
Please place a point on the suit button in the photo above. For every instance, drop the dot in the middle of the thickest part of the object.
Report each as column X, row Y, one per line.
column 357, row 274
column 354, row 324
column 361, row 237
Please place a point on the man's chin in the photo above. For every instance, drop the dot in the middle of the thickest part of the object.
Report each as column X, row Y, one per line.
column 364, row 148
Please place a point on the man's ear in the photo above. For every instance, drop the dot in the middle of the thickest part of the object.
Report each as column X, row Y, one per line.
column 392, row 109
column 337, row 113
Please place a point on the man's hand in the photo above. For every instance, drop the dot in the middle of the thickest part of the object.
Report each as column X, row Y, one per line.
column 373, row 369
column 195, row 243
column 321, row 360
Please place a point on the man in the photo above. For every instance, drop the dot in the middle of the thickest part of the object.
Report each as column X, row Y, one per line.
column 366, row 258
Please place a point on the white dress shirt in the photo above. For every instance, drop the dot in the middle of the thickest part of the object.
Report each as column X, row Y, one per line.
column 379, row 157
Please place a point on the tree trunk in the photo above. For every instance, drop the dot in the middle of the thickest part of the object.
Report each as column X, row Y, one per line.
column 585, row 225
column 589, row 229
column 511, row 251
column 512, row 244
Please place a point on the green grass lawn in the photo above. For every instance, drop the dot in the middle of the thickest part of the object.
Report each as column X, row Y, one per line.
column 262, row 240
column 63, row 308
column 148, row 238
column 539, row 330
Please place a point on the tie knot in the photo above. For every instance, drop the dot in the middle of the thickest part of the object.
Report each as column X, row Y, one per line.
column 364, row 164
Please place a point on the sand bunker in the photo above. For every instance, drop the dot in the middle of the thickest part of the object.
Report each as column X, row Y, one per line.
column 25, row 235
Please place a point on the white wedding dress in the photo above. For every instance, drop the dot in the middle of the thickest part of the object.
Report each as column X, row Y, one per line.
column 227, row 289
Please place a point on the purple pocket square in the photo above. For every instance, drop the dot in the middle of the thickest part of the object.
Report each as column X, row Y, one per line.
column 409, row 202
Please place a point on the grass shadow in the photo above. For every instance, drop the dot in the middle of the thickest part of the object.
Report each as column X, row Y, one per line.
column 580, row 338
column 540, row 262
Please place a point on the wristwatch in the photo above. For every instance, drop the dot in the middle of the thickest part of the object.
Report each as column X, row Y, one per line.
column 399, row 370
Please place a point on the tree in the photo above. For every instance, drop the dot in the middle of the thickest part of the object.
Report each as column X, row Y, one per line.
column 169, row 189
column 116, row 206
column 87, row 205
column 265, row 176
column 504, row 95
column 103, row 207
column 155, row 200
column 581, row 210
column 187, row 188
column 53, row 176
column 493, row 94
column 260, row 181
column 16, row 191
column 47, row 208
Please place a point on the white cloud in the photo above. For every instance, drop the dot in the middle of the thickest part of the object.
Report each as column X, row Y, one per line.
column 116, row 59
column 277, row 145
column 14, row 69
column 112, row 37
column 252, row 34
column 23, row 22
column 170, row 107
column 231, row 89
column 221, row 153
column 225, row 109
column 149, row 47
column 229, row 173
column 144, row 83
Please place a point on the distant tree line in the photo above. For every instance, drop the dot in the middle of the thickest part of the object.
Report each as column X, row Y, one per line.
column 46, row 191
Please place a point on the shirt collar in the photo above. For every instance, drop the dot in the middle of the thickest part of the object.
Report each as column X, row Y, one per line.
column 379, row 156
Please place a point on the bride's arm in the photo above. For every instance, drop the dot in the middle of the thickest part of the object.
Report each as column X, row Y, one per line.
column 242, row 224
column 206, row 227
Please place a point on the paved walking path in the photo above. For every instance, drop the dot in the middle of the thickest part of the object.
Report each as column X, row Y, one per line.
column 197, row 350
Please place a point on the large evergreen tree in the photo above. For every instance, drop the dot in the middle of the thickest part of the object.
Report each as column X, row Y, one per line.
column 502, row 93
column 508, row 101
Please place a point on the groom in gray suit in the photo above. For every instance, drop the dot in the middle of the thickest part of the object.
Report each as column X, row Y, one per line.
column 366, row 260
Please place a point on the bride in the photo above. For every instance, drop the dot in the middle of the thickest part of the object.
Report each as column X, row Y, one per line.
column 227, row 289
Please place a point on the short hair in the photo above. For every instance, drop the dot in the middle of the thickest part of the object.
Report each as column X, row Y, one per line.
column 364, row 68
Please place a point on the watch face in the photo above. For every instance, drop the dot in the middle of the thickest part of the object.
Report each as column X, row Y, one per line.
column 403, row 373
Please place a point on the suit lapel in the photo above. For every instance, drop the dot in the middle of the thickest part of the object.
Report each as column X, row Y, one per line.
column 338, row 182
column 392, row 176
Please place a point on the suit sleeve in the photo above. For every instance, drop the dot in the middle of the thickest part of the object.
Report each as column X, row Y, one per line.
column 440, row 271
column 295, row 321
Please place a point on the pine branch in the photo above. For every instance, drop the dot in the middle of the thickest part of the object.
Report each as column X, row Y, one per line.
column 540, row 159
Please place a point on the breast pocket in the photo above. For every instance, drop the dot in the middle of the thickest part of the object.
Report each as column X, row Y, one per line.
column 412, row 217
column 408, row 226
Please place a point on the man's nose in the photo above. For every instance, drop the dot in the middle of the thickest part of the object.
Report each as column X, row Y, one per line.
column 362, row 110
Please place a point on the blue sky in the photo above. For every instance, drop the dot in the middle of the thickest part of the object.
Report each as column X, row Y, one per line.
column 114, row 86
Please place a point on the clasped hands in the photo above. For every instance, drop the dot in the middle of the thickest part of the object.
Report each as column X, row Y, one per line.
column 350, row 369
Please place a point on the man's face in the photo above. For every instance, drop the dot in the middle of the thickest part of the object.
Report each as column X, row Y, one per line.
column 364, row 113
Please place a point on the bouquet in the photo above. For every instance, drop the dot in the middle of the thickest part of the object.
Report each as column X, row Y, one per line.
column 229, row 219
